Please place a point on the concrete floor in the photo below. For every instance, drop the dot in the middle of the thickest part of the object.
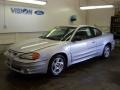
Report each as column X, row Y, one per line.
column 95, row 74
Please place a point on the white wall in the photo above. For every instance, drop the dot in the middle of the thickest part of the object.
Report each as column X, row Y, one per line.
column 1, row 16
column 57, row 12
column 100, row 17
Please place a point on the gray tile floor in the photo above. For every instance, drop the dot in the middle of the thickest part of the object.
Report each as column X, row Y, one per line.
column 95, row 74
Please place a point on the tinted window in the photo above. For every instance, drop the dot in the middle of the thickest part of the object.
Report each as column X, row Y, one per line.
column 97, row 32
column 82, row 34
column 59, row 33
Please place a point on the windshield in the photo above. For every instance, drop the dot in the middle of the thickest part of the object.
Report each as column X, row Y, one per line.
column 59, row 33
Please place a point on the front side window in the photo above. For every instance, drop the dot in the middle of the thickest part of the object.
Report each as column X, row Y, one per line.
column 82, row 34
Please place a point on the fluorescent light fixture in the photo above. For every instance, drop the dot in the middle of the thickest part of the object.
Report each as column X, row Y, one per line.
column 96, row 7
column 38, row 2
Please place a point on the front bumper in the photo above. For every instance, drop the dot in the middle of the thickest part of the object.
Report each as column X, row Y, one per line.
column 27, row 68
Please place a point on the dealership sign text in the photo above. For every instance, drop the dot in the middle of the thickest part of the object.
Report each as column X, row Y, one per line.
column 26, row 11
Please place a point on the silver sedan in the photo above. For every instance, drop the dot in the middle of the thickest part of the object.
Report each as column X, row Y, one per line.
column 58, row 49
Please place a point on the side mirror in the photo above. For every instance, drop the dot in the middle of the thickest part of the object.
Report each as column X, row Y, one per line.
column 75, row 39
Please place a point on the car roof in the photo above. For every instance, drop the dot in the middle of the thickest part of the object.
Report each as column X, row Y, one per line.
column 68, row 26
column 77, row 26
column 85, row 26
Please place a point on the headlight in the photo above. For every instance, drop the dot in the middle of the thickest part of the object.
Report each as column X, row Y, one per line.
column 30, row 56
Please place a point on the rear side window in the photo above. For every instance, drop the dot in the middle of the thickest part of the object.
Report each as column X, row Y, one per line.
column 97, row 32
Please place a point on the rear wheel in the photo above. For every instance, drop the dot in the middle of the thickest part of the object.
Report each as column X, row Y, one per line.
column 57, row 65
column 107, row 51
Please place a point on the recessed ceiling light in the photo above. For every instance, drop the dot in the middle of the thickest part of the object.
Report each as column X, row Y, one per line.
column 96, row 7
column 38, row 2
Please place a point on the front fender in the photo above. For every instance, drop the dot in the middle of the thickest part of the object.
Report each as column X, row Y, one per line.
column 48, row 53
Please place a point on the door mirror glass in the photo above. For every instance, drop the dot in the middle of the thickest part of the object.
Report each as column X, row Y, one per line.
column 77, row 38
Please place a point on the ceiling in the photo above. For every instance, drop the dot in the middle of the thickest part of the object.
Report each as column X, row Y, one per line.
column 99, row 2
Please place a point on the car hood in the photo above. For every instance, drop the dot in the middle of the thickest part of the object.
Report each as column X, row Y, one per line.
column 33, row 45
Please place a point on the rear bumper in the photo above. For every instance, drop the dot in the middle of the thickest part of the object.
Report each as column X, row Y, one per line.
column 27, row 68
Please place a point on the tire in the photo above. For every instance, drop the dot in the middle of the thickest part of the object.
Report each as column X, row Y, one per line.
column 106, row 52
column 57, row 65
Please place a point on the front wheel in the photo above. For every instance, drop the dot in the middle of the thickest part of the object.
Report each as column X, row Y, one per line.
column 106, row 52
column 57, row 65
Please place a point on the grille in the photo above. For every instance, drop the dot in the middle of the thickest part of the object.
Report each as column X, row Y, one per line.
column 14, row 53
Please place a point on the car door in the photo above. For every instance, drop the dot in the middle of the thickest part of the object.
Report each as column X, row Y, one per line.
column 98, row 40
column 82, row 45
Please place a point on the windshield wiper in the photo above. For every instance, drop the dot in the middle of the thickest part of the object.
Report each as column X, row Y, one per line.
column 51, row 38
column 43, row 37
